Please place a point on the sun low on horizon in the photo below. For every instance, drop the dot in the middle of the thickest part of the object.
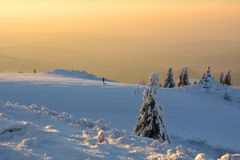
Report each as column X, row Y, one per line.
column 123, row 40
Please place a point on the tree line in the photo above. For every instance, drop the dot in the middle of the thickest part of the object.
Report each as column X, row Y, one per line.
column 150, row 122
column 184, row 78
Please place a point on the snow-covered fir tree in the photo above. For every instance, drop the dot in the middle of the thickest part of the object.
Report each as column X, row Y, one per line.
column 207, row 79
column 209, row 72
column 169, row 82
column 151, row 120
column 209, row 82
column 228, row 79
column 184, row 78
column 202, row 79
column 221, row 78
column 180, row 79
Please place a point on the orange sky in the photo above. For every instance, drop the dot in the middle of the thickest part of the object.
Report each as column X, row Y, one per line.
column 108, row 16
column 114, row 37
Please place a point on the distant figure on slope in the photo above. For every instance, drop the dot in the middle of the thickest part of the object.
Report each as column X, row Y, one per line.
column 103, row 79
column 34, row 71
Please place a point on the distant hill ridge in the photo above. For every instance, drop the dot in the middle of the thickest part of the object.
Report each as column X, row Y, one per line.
column 77, row 74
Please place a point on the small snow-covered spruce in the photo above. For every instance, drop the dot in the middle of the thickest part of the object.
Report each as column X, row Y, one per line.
column 207, row 79
column 150, row 120
column 209, row 72
column 221, row 78
column 228, row 79
column 101, row 136
column 202, row 79
column 184, row 78
column 169, row 82
column 180, row 83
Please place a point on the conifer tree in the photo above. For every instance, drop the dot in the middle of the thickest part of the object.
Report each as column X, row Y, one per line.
column 209, row 82
column 228, row 79
column 169, row 82
column 209, row 72
column 150, row 120
column 202, row 79
column 207, row 79
column 184, row 78
column 180, row 83
column 221, row 78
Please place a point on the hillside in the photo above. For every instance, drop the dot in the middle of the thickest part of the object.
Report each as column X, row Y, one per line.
column 44, row 116
column 77, row 74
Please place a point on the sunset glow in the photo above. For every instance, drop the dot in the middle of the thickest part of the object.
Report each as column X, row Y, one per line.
column 118, row 38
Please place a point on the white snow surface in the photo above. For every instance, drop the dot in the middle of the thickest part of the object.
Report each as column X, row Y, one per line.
column 77, row 74
column 44, row 116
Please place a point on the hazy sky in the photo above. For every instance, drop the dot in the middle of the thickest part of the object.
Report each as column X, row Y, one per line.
column 120, row 39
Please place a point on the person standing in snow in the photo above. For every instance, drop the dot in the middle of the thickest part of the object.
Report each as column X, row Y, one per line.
column 103, row 79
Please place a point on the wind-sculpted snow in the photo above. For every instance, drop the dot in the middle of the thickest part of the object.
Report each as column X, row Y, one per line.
column 78, row 141
column 67, row 118
column 10, row 128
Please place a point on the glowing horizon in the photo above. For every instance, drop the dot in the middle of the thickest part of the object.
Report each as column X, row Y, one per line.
column 120, row 39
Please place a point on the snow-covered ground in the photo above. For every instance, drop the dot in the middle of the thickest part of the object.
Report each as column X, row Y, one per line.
column 77, row 74
column 47, row 116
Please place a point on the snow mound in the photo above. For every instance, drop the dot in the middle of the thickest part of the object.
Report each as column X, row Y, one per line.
column 228, row 93
column 77, row 74
column 10, row 128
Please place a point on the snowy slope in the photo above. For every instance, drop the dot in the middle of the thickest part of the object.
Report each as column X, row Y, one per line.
column 69, row 138
column 196, row 119
column 77, row 74
column 46, row 78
